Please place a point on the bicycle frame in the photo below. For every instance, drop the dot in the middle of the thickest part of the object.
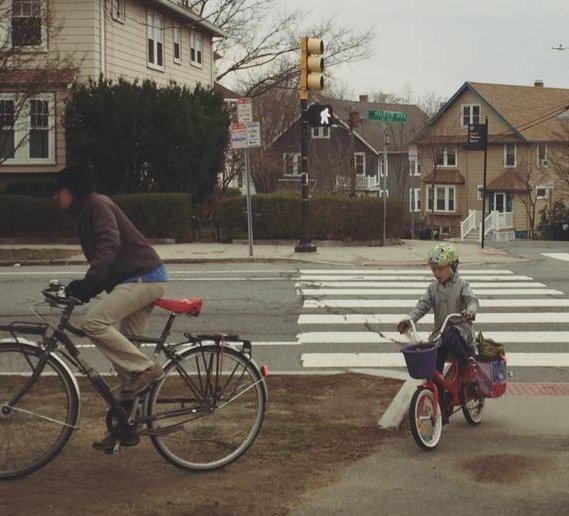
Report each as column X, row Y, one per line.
column 449, row 382
column 50, row 347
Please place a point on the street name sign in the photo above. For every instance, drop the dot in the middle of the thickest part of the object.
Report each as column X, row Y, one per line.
column 387, row 116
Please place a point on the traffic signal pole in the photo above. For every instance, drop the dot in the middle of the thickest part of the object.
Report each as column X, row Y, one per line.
column 305, row 244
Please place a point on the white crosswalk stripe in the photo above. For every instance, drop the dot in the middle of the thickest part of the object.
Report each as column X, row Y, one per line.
column 348, row 316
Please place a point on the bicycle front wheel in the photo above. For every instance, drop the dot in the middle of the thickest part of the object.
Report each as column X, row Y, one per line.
column 37, row 426
column 425, row 419
column 211, row 405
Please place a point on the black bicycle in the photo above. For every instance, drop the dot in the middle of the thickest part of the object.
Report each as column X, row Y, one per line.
column 204, row 414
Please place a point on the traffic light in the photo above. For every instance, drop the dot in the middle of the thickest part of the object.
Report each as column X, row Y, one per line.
column 311, row 66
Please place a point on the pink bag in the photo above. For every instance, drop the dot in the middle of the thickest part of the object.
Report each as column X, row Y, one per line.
column 492, row 377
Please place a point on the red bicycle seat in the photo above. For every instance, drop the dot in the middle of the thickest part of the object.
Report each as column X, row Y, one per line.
column 181, row 306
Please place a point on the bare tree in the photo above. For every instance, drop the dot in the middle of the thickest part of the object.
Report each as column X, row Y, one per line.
column 28, row 67
column 262, row 44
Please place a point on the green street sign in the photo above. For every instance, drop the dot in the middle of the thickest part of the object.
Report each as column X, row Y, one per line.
column 387, row 116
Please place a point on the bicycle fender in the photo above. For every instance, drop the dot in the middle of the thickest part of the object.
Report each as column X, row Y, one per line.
column 54, row 356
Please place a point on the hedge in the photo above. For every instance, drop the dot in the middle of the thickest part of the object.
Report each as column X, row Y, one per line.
column 278, row 216
column 163, row 215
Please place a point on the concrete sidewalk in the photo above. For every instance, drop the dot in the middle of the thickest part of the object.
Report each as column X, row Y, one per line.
column 514, row 462
column 405, row 253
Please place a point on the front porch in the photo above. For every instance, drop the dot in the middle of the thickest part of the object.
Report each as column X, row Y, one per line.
column 498, row 226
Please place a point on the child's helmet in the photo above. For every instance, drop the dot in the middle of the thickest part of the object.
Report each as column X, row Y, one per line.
column 442, row 255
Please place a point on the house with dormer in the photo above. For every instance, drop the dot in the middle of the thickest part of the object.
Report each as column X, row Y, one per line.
column 526, row 125
column 161, row 40
column 356, row 156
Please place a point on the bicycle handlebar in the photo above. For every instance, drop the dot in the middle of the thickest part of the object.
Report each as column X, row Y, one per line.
column 55, row 295
column 436, row 334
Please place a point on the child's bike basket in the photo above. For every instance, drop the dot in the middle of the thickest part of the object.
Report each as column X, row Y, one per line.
column 421, row 360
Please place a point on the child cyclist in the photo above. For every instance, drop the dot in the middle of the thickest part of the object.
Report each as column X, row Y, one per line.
column 448, row 294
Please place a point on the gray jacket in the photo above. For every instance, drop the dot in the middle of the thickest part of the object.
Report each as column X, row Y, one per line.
column 455, row 295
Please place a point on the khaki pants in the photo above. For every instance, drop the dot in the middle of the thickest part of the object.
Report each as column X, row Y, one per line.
column 129, row 304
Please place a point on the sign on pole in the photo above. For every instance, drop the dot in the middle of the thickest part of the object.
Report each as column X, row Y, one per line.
column 238, row 136
column 477, row 137
column 245, row 110
column 387, row 116
column 254, row 134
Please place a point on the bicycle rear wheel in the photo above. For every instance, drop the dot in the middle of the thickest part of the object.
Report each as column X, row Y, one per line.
column 222, row 396
column 35, row 428
column 472, row 404
column 425, row 419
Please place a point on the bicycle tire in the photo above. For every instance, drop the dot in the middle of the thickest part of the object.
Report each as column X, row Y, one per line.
column 35, row 430
column 426, row 422
column 223, row 403
column 472, row 404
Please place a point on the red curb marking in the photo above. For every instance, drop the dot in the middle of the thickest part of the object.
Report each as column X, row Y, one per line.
column 537, row 389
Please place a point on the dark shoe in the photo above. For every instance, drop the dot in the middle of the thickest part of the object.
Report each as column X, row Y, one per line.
column 107, row 443
column 470, row 372
column 143, row 380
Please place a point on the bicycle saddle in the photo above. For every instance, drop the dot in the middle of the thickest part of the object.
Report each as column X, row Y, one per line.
column 191, row 306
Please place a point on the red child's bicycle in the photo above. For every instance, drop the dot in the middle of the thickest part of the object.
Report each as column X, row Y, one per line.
column 442, row 394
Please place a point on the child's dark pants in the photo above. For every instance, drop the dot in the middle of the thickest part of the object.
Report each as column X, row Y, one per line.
column 452, row 342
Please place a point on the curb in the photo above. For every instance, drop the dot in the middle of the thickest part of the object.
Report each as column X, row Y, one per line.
column 393, row 417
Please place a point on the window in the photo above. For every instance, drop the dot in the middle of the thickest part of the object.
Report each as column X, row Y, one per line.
column 414, row 167
column 28, row 28
column 7, row 135
column 27, row 132
column 479, row 192
column 196, row 48
column 154, row 24
column 444, row 198
column 360, row 163
column 117, row 10
column 510, row 155
column 177, row 45
column 542, row 192
column 542, row 155
column 291, row 163
column 414, row 199
column 470, row 114
column 445, row 156
column 320, row 132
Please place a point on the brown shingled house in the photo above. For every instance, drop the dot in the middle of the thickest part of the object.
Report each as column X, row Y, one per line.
column 340, row 163
column 526, row 126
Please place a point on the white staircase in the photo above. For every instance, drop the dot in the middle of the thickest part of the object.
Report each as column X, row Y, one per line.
column 497, row 226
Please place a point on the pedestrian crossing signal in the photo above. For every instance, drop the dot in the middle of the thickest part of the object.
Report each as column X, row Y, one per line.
column 320, row 115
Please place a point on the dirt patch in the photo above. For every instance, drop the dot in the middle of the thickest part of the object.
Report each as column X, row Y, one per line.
column 314, row 426
column 27, row 255
column 504, row 469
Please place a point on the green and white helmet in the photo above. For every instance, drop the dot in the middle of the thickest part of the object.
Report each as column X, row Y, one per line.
column 442, row 255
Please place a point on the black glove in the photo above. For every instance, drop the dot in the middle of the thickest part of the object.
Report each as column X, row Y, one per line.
column 403, row 326
column 468, row 315
column 83, row 289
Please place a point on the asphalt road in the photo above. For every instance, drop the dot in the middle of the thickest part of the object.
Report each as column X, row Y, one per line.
column 265, row 303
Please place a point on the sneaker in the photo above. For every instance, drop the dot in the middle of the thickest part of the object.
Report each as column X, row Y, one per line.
column 107, row 443
column 143, row 380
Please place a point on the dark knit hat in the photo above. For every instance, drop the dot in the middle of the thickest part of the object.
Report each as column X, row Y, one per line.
column 79, row 180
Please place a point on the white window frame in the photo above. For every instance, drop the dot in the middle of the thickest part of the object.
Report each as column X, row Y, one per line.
column 479, row 192
column 506, row 155
column 447, row 198
column 361, row 155
column 545, row 195
column 414, row 200
column 446, row 152
column 320, row 133
column 177, row 41
column 542, row 162
column 470, row 108
column 118, row 10
column 196, row 49
column 414, row 167
column 295, row 168
column 8, row 27
column 22, row 130
column 155, row 33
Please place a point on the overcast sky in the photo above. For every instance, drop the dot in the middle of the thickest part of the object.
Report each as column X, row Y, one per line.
column 433, row 46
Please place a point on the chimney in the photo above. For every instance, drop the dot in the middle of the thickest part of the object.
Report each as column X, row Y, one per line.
column 538, row 83
column 364, row 98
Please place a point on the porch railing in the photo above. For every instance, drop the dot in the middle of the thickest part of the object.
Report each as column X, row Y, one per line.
column 494, row 221
column 469, row 223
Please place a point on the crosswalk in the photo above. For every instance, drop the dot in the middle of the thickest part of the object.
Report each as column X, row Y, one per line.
column 348, row 317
